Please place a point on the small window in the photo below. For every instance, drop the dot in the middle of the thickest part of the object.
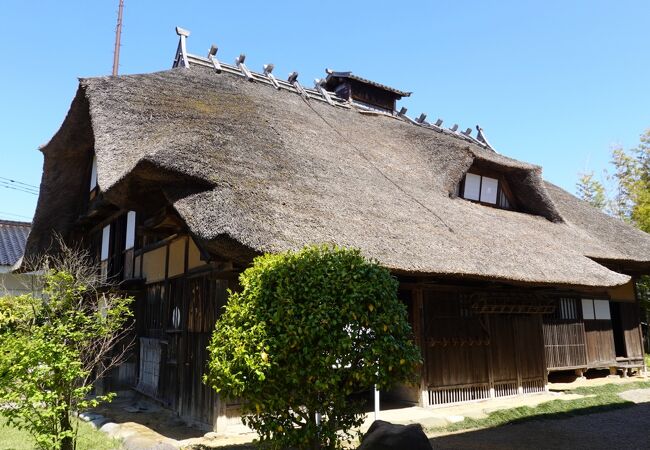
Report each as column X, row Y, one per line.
column 472, row 187
column 130, row 230
column 595, row 309
column 484, row 189
column 601, row 308
column 93, row 174
column 106, row 236
column 489, row 190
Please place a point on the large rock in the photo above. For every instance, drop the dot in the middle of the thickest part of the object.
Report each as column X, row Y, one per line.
column 387, row 436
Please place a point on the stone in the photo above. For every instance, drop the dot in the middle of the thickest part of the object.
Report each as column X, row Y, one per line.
column 433, row 422
column 109, row 428
column 388, row 436
column 146, row 443
column 87, row 417
column 455, row 419
column 211, row 435
column 99, row 421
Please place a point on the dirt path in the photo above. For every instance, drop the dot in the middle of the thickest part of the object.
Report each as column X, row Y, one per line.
column 627, row 428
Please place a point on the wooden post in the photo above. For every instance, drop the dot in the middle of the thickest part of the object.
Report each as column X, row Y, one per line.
column 638, row 303
column 489, row 358
column 420, row 342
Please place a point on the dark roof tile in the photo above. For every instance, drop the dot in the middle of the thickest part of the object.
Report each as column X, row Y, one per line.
column 13, row 236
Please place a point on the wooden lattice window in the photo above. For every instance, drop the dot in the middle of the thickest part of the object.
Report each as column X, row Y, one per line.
column 567, row 309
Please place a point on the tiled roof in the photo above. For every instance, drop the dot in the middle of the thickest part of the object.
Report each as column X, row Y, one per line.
column 13, row 236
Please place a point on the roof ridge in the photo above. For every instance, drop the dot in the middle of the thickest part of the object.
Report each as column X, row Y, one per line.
column 183, row 59
column 15, row 223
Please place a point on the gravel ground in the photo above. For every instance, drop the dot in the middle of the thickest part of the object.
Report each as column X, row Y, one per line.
column 627, row 428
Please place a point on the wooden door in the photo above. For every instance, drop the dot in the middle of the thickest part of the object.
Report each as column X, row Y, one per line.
column 529, row 347
column 600, row 342
column 517, row 353
column 630, row 323
column 455, row 345
column 204, row 298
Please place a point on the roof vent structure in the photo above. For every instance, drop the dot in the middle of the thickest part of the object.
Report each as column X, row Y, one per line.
column 362, row 91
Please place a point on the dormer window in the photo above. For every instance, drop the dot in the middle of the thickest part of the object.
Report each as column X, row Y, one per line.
column 486, row 189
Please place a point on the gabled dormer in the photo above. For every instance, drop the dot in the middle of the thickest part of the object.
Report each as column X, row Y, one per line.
column 498, row 183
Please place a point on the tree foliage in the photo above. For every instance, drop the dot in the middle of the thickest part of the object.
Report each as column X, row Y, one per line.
column 308, row 330
column 629, row 199
column 629, row 196
column 53, row 347
column 592, row 191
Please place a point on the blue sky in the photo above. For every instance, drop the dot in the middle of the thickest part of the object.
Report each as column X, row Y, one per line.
column 555, row 83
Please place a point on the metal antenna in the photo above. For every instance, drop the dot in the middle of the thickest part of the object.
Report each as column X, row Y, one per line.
column 118, row 36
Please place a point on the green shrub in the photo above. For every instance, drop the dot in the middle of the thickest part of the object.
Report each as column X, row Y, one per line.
column 308, row 330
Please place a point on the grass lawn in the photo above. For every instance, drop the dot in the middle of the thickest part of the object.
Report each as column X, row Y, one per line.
column 89, row 438
column 598, row 399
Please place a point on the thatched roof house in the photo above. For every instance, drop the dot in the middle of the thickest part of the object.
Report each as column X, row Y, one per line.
column 195, row 170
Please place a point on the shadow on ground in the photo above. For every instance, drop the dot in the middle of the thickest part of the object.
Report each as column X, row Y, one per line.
column 139, row 409
column 605, row 427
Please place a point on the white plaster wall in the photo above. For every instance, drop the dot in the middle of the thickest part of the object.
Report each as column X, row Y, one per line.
column 16, row 284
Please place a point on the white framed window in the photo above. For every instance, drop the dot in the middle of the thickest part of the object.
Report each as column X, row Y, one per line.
column 489, row 188
column 595, row 309
column 601, row 308
column 106, row 236
column 480, row 188
column 130, row 230
column 472, row 189
column 93, row 174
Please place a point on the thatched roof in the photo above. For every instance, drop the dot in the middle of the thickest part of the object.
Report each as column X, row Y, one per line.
column 253, row 169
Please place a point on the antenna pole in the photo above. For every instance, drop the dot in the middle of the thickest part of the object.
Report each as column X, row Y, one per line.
column 118, row 35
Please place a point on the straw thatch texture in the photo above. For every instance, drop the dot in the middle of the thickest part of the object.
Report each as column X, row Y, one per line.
column 251, row 169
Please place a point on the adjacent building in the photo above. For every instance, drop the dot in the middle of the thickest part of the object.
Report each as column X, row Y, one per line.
column 13, row 237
